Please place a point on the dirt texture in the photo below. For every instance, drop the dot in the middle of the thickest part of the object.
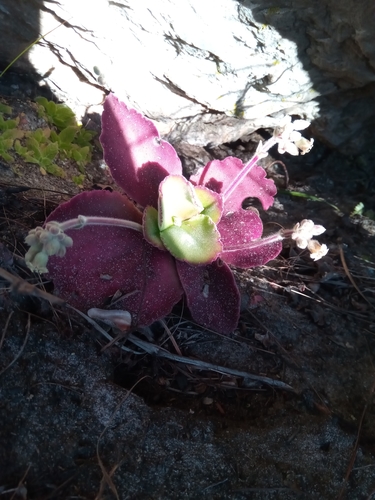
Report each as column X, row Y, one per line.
column 286, row 409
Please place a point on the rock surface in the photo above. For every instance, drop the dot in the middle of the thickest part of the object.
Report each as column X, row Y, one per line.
column 60, row 410
column 209, row 72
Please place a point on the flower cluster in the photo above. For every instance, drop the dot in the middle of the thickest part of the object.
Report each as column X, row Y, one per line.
column 289, row 139
column 303, row 233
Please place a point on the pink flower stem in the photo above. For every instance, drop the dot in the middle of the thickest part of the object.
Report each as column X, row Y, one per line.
column 261, row 153
column 273, row 238
column 82, row 221
column 255, row 244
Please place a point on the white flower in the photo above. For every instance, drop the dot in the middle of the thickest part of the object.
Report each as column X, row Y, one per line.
column 304, row 231
column 289, row 140
column 317, row 251
column 304, row 145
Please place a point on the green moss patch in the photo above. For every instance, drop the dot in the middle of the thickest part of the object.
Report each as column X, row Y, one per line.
column 62, row 138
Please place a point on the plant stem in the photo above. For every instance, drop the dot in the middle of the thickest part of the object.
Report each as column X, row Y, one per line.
column 247, row 168
column 29, row 47
column 273, row 238
column 82, row 221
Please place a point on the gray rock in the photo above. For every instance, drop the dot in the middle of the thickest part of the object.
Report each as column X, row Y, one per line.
column 60, row 412
column 208, row 72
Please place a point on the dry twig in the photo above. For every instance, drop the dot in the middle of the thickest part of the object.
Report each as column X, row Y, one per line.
column 154, row 350
column 21, row 286
column 355, row 448
column 5, row 329
column 348, row 274
column 22, row 348
column 203, row 365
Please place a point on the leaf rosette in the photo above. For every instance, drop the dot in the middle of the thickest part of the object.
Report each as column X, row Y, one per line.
column 166, row 236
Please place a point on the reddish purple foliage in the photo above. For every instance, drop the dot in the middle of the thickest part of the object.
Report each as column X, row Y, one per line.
column 107, row 259
column 217, row 175
column 238, row 227
column 136, row 156
column 212, row 295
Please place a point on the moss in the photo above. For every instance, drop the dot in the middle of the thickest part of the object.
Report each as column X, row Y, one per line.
column 61, row 139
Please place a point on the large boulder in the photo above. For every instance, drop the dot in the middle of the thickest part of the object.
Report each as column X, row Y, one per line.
column 208, row 71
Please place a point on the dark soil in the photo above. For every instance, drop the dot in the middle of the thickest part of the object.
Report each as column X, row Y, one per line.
column 81, row 421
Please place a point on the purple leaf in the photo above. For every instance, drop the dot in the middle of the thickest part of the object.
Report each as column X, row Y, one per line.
column 136, row 156
column 240, row 235
column 107, row 260
column 239, row 228
column 218, row 174
column 212, row 295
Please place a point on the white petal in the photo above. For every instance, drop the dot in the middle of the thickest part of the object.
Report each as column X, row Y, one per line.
column 281, row 148
column 304, row 230
column 300, row 124
column 283, row 130
column 304, row 145
column 317, row 250
column 287, row 120
column 307, row 224
column 294, row 136
column 285, row 135
column 318, row 230
column 301, row 243
column 291, row 148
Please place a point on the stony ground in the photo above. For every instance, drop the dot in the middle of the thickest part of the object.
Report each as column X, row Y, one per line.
column 82, row 422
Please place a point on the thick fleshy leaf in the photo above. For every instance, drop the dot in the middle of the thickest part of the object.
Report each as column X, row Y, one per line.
column 195, row 240
column 105, row 261
column 241, row 233
column 151, row 230
column 218, row 174
column 212, row 295
column 239, row 228
column 177, row 201
column 211, row 201
column 136, row 156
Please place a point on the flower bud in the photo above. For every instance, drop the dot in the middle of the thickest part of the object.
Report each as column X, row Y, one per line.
column 317, row 251
column 36, row 261
column 52, row 246
column 45, row 242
